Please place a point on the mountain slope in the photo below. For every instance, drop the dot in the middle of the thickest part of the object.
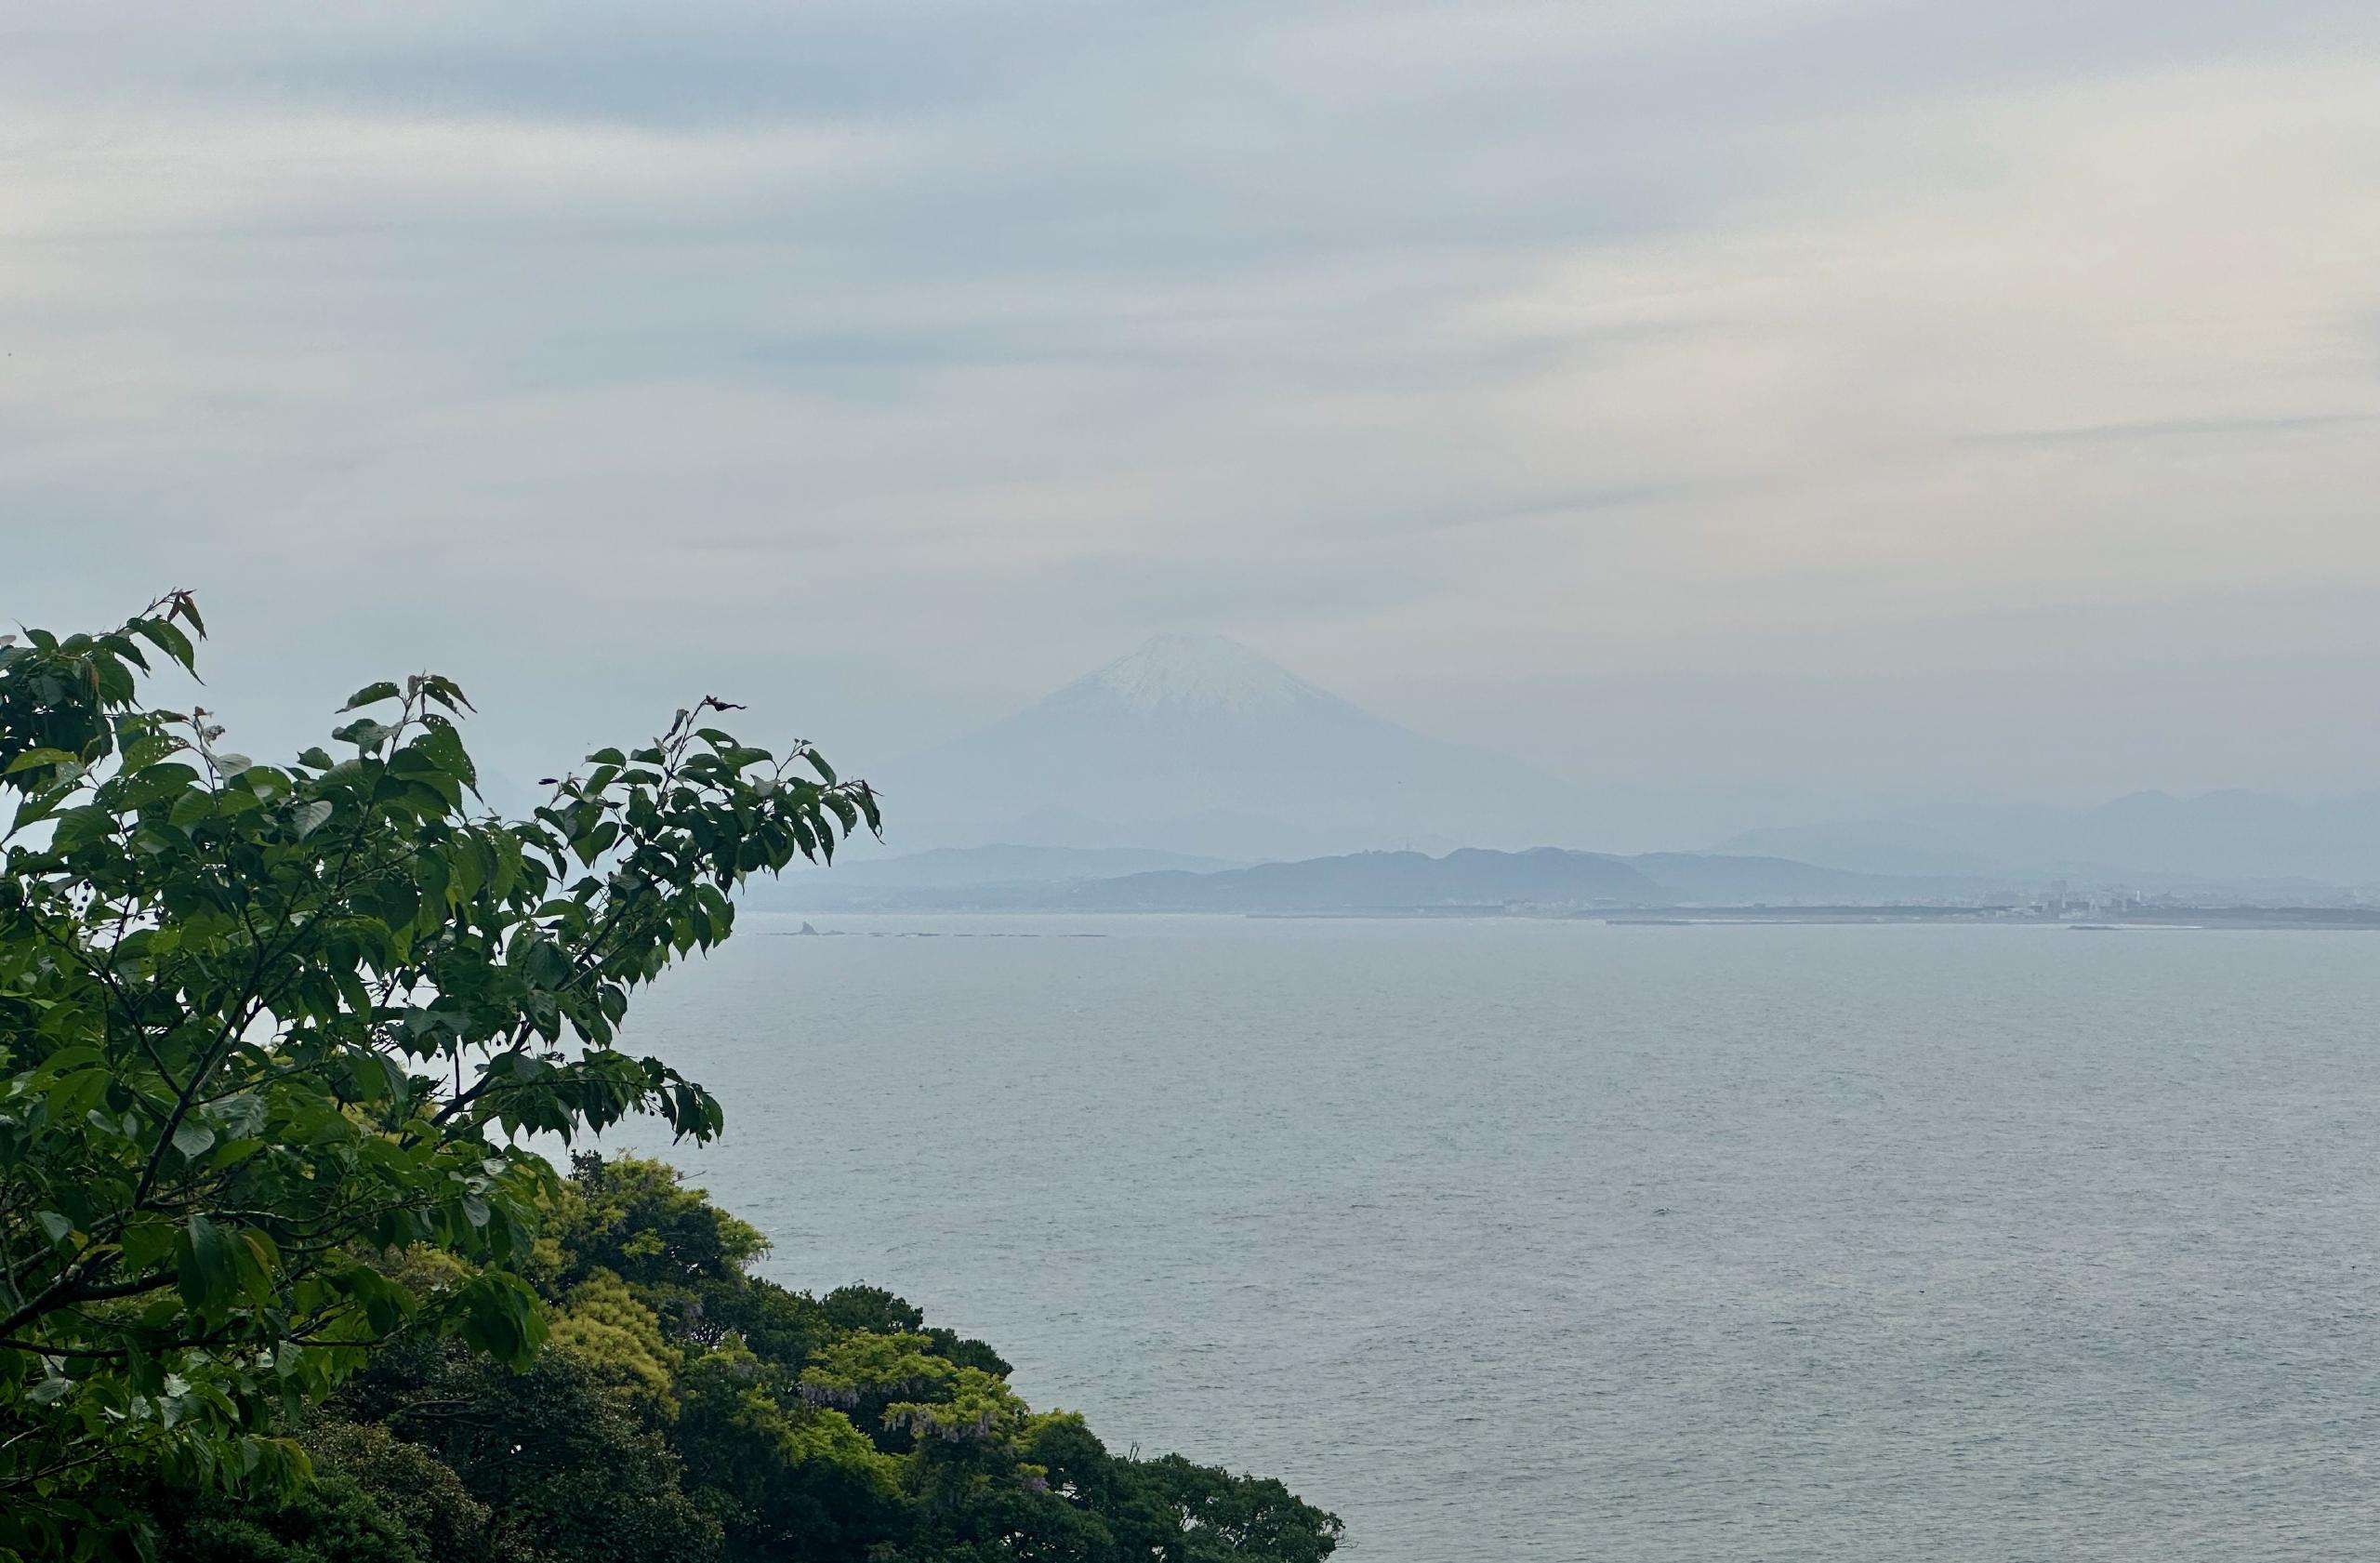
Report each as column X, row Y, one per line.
column 1385, row 882
column 1866, row 846
column 1708, row 879
column 960, row 868
column 1194, row 743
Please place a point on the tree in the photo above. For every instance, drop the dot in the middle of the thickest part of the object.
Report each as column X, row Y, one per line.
column 266, row 1032
column 684, row 1410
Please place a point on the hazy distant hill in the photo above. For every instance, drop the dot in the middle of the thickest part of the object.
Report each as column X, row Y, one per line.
column 1714, row 879
column 954, row 867
column 2229, row 835
column 1194, row 743
column 1866, row 846
column 2230, row 838
column 1385, row 882
column 1376, row 882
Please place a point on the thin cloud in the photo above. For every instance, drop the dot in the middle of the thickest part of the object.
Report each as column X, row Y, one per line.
column 1476, row 357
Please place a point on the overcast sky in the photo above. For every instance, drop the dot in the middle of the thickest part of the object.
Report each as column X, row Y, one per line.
column 1846, row 393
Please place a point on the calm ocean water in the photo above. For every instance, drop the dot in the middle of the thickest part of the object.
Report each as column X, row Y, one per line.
column 1536, row 1240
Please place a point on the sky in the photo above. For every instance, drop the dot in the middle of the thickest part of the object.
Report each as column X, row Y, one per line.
column 1855, row 395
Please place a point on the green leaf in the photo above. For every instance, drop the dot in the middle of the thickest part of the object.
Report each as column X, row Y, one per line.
column 193, row 1138
column 446, row 692
column 596, row 843
column 542, row 962
column 413, row 763
column 445, row 745
column 57, row 1226
column 242, row 1114
column 34, row 759
column 501, row 1317
column 37, row 808
column 385, row 1302
column 206, row 1266
column 363, row 732
column 260, row 1259
column 395, row 901
column 372, row 1077
column 146, row 1241
column 79, row 827
column 371, row 694
column 469, row 866
column 170, row 640
column 431, row 874
column 148, row 751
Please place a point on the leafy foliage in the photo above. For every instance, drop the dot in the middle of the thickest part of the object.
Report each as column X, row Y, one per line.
column 265, row 1029
column 840, row 1429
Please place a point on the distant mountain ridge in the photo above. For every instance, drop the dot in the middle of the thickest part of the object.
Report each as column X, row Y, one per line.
column 1387, row 881
column 1004, row 863
column 1382, row 882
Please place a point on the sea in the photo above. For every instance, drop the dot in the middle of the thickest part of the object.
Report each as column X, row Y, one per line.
column 1519, row 1239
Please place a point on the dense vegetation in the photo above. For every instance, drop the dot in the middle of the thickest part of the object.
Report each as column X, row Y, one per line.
column 277, row 1283
column 685, row 1409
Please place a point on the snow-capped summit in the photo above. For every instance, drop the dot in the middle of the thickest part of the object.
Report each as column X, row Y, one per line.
column 1204, row 673
column 1194, row 743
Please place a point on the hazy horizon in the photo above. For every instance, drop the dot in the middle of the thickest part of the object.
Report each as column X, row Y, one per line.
column 1866, row 400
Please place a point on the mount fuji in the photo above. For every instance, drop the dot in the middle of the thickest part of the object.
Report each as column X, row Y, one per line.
column 1196, row 744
